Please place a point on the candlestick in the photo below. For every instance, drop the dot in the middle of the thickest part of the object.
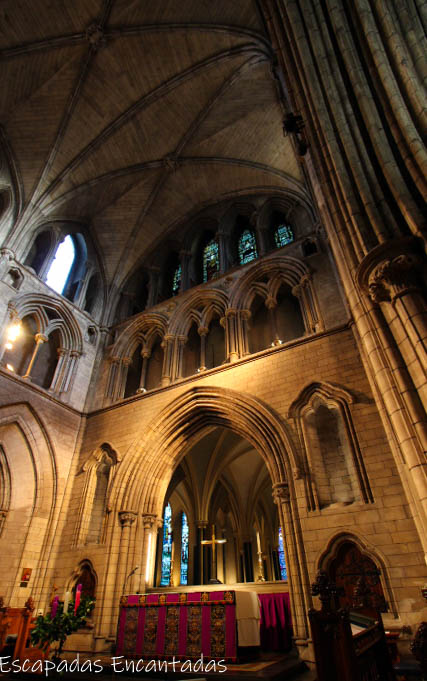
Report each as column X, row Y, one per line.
column 78, row 596
column 258, row 542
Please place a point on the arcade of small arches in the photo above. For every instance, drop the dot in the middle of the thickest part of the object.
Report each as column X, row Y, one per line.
column 270, row 303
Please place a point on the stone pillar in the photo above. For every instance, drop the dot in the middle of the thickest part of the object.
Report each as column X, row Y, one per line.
column 395, row 285
column 294, row 554
column 148, row 555
column 145, row 357
column 113, row 378
column 153, row 287
column 308, row 304
column 39, row 338
column 168, row 345
column 185, row 257
column 127, row 519
column 123, row 374
column 243, row 329
column 222, row 247
column 229, row 322
column 203, row 332
column 60, row 369
column 271, row 305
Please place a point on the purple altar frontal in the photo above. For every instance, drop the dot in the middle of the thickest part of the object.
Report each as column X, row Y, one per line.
column 161, row 626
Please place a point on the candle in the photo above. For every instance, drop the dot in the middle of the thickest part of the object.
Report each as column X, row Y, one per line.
column 78, row 596
column 66, row 600
column 54, row 607
column 258, row 542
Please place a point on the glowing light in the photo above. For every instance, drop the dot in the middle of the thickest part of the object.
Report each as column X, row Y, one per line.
column 147, row 568
column 61, row 266
column 13, row 331
column 10, row 367
column 8, row 346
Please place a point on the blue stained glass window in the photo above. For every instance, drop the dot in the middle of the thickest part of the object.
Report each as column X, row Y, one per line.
column 176, row 281
column 61, row 265
column 167, row 547
column 283, row 235
column 210, row 260
column 282, row 562
column 184, row 550
column 247, row 247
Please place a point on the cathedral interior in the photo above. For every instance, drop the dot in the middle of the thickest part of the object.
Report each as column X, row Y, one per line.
column 212, row 300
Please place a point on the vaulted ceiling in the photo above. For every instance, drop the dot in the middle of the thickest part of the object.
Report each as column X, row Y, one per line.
column 130, row 116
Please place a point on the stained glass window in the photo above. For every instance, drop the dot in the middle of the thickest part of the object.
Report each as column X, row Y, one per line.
column 282, row 562
column 247, row 247
column 210, row 259
column 283, row 235
column 176, row 281
column 167, row 547
column 184, row 550
column 61, row 265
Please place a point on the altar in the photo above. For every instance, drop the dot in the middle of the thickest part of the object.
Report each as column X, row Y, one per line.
column 214, row 624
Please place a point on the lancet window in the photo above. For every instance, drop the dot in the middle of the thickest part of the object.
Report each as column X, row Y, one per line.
column 166, row 547
column 281, row 554
column 247, row 247
column 184, row 549
column 210, row 260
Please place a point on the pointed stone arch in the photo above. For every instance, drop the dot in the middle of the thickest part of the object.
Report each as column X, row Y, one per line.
column 336, row 542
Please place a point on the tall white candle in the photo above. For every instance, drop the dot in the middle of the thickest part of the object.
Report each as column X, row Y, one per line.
column 258, row 542
column 67, row 600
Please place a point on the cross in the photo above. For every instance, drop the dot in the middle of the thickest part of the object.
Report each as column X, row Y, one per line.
column 213, row 541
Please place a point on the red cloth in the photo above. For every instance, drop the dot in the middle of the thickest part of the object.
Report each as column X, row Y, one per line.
column 276, row 624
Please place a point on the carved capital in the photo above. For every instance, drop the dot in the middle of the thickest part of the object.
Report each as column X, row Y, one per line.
column 203, row 330
column 40, row 338
column 281, row 493
column 127, row 518
column 230, row 312
column 245, row 314
column 394, row 277
column 7, row 254
column 148, row 520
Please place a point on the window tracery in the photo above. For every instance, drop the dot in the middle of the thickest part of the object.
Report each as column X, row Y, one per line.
column 184, row 549
column 281, row 554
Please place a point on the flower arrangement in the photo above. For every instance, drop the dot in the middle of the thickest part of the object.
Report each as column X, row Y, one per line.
column 64, row 618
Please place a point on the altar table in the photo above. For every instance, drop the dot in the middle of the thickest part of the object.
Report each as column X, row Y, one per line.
column 160, row 626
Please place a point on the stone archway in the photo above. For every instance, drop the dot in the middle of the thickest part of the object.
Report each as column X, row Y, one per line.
column 165, row 442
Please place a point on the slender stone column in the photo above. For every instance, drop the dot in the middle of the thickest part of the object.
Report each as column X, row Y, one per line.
column 243, row 339
column 299, row 610
column 127, row 519
column 153, row 287
column 184, row 257
column 39, row 338
column 271, row 305
column 203, row 332
column 145, row 357
column 231, row 341
column 168, row 344
column 178, row 366
column 60, row 368
column 148, row 556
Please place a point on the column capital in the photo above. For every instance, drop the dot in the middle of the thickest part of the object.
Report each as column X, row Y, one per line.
column 127, row 518
column 394, row 277
column 281, row 493
column 40, row 338
column 149, row 520
column 203, row 330
column 230, row 312
column 270, row 303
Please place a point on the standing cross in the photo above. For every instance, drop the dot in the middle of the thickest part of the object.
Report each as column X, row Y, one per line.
column 212, row 542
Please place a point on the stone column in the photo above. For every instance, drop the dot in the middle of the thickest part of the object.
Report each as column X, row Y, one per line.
column 231, row 339
column 395, row 284
column 123, row 374
column 148, row 555
column 126, row 519
column 39, row 338
column 243, row 339
column 222, row 247
column 113, row 378
column 184, row 257
column 295, row 561
column 168, row 345
column 145, row 357
column 271, row 305
column 203, row 332
column 153, row 287
column 58, row 376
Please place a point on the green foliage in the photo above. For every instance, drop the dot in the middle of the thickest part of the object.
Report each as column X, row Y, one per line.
column 47, row 630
